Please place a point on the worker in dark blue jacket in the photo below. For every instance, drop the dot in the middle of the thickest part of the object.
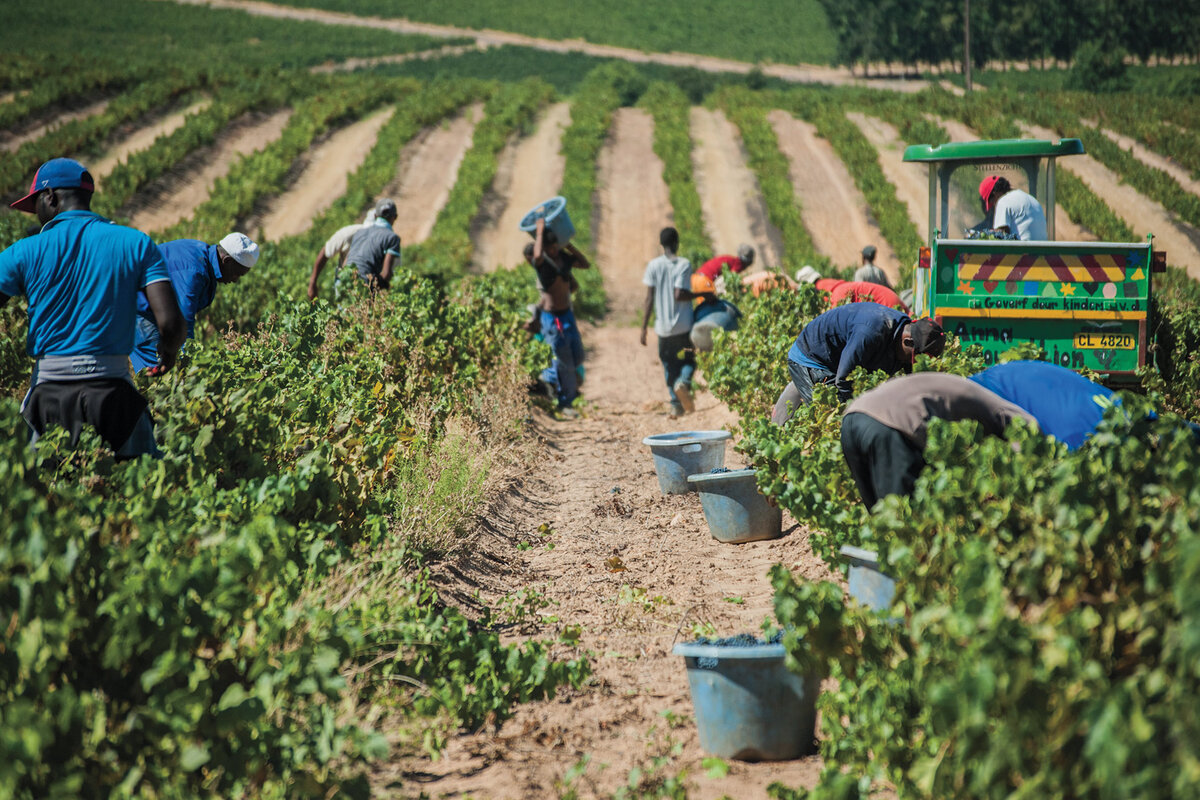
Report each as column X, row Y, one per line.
column 867, row 335
column 1065, row 404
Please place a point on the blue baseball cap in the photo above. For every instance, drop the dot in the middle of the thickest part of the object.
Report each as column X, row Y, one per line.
column 57, row 173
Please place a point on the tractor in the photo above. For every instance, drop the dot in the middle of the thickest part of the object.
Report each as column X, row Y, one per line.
column 1085, row 304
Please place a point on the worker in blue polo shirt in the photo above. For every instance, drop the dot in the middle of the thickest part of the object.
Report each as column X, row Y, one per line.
column 867, row 335
column 195, row 269
column 81, row 276
column 1065, row 404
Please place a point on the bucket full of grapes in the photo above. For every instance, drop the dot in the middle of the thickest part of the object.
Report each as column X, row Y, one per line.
column 749, row 706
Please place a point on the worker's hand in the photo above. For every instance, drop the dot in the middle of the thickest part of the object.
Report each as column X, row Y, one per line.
column 312, row 290
column 165, row 362
column 643, row 337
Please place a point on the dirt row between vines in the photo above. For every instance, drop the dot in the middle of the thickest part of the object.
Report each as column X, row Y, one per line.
column 130, row 139
column 176, row 195
column 634, row 570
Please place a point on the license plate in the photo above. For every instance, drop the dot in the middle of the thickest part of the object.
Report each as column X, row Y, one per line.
column 1094, row 340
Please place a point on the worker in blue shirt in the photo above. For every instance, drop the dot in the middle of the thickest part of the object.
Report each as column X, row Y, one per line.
column 1065, row 404
column 81, row 276
column 867, row 335
column 195, row 269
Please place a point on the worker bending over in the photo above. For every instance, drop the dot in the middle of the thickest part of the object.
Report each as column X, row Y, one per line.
column 884, row 429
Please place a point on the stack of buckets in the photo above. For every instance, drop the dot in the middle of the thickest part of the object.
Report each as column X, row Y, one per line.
column 748, row 704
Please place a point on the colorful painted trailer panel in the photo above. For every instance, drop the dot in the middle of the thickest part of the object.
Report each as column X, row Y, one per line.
column 1084, row 303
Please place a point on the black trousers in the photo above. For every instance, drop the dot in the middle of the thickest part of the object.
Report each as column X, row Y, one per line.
column 110, row 405
column 881, row 459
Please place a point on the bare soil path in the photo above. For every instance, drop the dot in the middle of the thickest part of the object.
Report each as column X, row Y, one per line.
column 833, row 209
column 911, row 180
column 529, row 171
column 1180, row 173
column 427, row 171
column 1180, row 240
column 1064, row 229
column 730, row 198
column 351, row 64
column 797, row 73
column 633, row 569
column 634, row 207
column 140, row 139
column 323, row 178
column 10, row 141
column 176, row 196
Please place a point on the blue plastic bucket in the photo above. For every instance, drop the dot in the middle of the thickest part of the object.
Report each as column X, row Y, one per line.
column 748, row 705
column 735, row 510
column 554, row 211
column 678, row 455
column 868, row 585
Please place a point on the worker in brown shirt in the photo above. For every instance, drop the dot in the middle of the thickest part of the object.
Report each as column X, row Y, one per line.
column 883, row 430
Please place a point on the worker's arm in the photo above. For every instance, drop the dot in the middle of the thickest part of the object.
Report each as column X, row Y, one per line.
column 649, row 309
column 686, row 294
column 171, row 329
column 581, row 261
column 539, row 232
column 318, row 265
column 385, row 274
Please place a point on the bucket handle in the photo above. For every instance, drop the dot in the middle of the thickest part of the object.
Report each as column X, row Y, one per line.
column 691, row 448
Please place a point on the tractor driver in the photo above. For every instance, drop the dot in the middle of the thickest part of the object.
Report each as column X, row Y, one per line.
column 1013, row 211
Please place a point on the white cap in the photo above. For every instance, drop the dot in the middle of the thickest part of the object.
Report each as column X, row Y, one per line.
column 807, row 274
column 241, row 249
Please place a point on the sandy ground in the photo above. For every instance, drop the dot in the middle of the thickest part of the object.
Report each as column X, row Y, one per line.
column 176, row 195
column 636, row 570
column 427, row 171
column 140, row 139
column 1064, row 229
column 1180, row 173
column 9, row 142
column 911, row 180
column 797, row 73
column 634, row 207
column 529, row 171
column 323, row 178
column 351, row 64
column 1180, row 240
column 833, row 209
column 730, row 198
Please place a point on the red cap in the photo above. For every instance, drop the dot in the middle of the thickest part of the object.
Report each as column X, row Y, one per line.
column 985, row 189
column 57, row 173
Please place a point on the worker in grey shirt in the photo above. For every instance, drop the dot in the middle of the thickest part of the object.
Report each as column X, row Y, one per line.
column 883, row 430
column 374, row 253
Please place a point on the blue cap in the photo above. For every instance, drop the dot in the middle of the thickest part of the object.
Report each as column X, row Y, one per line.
column 57, row 173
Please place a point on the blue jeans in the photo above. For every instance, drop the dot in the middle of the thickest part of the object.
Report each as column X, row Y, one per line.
column 562, row 334
column 676, row 368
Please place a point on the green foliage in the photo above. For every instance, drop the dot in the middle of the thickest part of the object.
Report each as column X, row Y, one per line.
column 1043, row 643
column 1098, row 67
column 17, row 167
column 673, row 144
column 141, row 34
column 770, row 31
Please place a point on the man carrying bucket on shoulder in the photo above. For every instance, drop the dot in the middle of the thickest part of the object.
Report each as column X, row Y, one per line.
column 553, row 264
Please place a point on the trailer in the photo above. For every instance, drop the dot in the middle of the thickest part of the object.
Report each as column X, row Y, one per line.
column 1085, row 304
